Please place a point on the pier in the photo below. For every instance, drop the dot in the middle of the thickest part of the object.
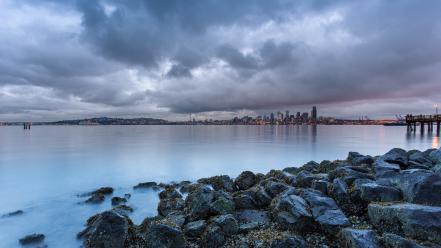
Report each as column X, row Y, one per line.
column 27, row 125
column 430, row 120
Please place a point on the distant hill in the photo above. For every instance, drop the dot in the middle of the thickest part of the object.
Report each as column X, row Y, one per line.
column 109, row 121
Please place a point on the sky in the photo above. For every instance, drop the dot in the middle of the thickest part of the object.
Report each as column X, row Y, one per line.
column 67, row 59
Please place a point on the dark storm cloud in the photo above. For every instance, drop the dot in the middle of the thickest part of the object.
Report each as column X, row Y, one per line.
column 196, row 56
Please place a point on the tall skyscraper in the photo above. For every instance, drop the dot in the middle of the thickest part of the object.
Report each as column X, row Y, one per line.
column 272, row 118
column 314, row 113
column 287, row 114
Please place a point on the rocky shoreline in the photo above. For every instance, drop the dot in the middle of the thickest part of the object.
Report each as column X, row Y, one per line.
column 393, row 200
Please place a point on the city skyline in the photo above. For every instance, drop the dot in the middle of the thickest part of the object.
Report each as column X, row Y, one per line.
column 217, row 59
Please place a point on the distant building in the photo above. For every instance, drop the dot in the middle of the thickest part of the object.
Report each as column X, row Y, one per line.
column 314, row 113
column 298, row 115
column 305, row 116
column 287, row 114
column 272, row 118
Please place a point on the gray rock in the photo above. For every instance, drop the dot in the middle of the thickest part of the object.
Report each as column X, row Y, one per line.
column 123, row 210
column 437, row 169
column 96, row 198
column 195, row 228
column 420, row 186
column 289, row 242
column 396, row 156
column 118, row 200
column 223, row 205
column 274, row 188
column 258, row 216
column 420, row 158
column 244, row 200
column 311, row 166
column 223, row 182
column 358, row 159
column 305, row 178
column 355, row 191
column 176, row 217
column 213, row 237
column 390, row 240
column 198, row 203
column 292, row 212
column 374, row 192
column 321, row 185
column 107, row 230
column 435, row 156
column 416, row 221
column 350, row 173
column 357, row 238
column 261, row 197
column 12, row 214
column 168, row 205
column 228, row 224
column 325, row 211
column 245, row 180
column 32, row 239
column 339, row 191
column 386, row 173
column 164, row 236
column 145, row 185
column 169, row 192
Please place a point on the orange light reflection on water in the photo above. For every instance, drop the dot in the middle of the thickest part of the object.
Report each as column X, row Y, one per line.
column 435, row 142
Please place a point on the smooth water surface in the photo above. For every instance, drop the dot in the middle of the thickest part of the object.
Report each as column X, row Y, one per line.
column 42, row 170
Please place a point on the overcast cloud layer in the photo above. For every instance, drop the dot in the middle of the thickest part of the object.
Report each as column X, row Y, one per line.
column 156, row 58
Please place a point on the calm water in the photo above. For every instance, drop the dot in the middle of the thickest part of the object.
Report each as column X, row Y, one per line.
column 42, row 170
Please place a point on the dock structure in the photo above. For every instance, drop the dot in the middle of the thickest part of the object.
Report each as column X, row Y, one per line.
column 27, row 125
column 422, row 120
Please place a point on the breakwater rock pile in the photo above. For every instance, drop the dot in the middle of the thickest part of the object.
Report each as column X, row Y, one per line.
column 393, row 200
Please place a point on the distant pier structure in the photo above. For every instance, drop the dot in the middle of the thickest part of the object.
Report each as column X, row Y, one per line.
column 423, row 120
column 27, row 125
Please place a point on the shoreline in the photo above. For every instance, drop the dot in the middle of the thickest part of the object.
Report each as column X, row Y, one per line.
column 342, row 203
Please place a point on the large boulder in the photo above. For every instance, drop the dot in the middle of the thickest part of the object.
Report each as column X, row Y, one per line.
column 435, row 156
column 223, row 203
column 325, row 211
column 106, row 230
column 245, row 180
column 198, row 203
column 227, row 223
column 386, row 173
column 252, row 219
column 195, row 228
column 339, row 191
column 358, row 159
column 358, row 238
column 273, row 188
column 420, row 186
column 168, row 205
column 164, row 236
column 350, row 173
column 213, row 237
column 169, row 192
column 396, row 156
column 292, row 212
column 223, row 182
column 380, row 193
column 305, row 178
column 416, row 221
column 244, row 200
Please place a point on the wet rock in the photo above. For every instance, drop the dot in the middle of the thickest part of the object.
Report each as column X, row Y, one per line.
column 223, row 204
column 386, row 173
column 420, row 158
column 244, row 200
column 12, row 214
column 374, row 192
column 311, row 166
column 261, row 198
column 245, row 180
column 227, row 223
column 168, row 205
column 305, row 178
column 357, row 238
column 145, row 185
column 355, row 190
column 107, row 230
column 104, row 191
column 32, row 239
column 325, row 211
column 289, row 242
column 390, row 240
column 219, row 183
column 96, row 198
column 123, row 209
column 416, row 221
column 188, row 188
column 164, row 236
column 169, row 192
column 396, row 156
column 292, row 212
column 198, row 203
column 177, row 218
column 195, row 229
column 118, row 200
column 416, row 165
column 437, row 169
column 213, row 237
column 358, row 159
